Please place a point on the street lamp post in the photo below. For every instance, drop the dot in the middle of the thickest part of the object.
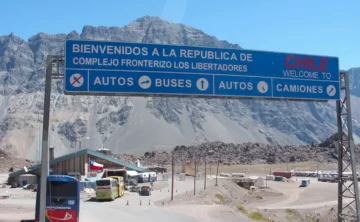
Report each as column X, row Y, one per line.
column 205, row 175
column 86, row 138
column 217, row 172
column 172, row 175
column 208, row 152
column 195, row 177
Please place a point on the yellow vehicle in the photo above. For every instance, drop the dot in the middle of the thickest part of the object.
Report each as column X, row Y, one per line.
column 120, row 181
column 107, row 189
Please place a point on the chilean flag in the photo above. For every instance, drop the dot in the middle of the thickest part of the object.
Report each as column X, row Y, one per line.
column 95, row 166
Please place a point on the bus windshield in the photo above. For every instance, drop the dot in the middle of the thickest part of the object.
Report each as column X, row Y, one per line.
column 103, row 183
column 61, row 189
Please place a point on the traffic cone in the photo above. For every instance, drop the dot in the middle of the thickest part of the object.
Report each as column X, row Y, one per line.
column 127, row 203
column 140, row 202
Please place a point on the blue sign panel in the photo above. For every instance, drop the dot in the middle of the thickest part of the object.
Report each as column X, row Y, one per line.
column 138, row 69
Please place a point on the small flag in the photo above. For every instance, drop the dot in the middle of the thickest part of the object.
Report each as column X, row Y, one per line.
column 95, row 166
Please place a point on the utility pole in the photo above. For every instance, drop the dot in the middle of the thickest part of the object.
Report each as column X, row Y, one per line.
column 205, row 163
column 195, row 178
column 172, row 176
column 210, row 168
column 217, row 172
column 205, row 175
column 317, row 167
column 45, row 135
column 266, row 180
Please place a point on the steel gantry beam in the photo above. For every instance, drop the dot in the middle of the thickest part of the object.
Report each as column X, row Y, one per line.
column 348, row 190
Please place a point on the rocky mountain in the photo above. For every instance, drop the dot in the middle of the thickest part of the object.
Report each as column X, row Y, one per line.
column 246, row 153
column 136, row 124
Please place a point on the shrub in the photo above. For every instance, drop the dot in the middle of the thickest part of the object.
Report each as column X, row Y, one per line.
column 220, row 197
column 256, row 215
column 242, row 208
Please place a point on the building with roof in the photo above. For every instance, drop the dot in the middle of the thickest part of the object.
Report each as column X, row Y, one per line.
column 251, row 181
column 157, row 169
column 76, row 164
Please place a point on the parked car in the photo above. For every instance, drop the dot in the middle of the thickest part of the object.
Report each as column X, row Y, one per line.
column 135, row 189
column 145, row 191
column 14, row 185
column 35, row 187
column 28, row 187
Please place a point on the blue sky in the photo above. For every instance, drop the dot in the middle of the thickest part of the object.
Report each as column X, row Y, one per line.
column 321, row 27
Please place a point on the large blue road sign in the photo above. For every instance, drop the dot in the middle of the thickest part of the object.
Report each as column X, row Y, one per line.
column 138, row 69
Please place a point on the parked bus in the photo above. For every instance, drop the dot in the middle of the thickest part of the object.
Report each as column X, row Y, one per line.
column 132, row 178
column 144, row 177
column 121, row 185
column 62, row 199
column 152, row 176
column 107, row 189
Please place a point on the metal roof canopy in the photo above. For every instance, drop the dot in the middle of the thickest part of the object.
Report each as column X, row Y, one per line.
column 79, row 153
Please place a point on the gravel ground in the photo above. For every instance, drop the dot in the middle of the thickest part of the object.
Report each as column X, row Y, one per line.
column 281, row 201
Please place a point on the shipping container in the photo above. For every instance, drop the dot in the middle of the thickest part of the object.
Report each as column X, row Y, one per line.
column 286, row 174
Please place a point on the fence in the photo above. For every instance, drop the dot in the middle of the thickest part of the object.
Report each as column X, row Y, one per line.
column 164, row 176
column 181, row 177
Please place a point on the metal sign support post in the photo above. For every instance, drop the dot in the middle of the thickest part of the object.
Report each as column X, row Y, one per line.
column 172, row 176
column 45, row 135
column 348, row 191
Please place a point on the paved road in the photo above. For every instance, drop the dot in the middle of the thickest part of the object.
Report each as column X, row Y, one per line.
column 93, row 211
column 210, row 213
column 109, row 211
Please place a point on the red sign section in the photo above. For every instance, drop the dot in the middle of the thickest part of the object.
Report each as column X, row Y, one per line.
column 306, row 62
column 61, row 215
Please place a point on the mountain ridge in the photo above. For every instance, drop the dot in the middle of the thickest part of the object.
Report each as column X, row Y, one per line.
column 119, row 122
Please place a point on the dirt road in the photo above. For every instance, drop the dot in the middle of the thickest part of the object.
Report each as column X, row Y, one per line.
column 20, row 207
column 210, row 213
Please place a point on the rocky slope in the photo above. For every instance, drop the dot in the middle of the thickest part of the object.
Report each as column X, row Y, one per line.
column 246, row 153
column 129, row 124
